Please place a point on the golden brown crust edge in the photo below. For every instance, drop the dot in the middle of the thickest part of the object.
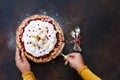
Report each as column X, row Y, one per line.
column 56, row 51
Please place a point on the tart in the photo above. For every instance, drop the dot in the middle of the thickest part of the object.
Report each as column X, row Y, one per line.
column 40, row 38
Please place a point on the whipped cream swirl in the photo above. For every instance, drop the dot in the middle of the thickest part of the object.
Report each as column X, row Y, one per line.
column 39, row 38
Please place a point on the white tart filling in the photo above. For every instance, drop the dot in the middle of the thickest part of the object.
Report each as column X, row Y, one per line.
column 39, row 38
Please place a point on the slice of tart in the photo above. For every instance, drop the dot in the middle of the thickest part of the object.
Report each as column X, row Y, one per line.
column 40, row 38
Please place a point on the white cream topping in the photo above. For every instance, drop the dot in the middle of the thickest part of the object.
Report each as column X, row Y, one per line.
column 39, row 38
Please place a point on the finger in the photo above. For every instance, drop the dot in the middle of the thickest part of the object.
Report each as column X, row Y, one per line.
column 17, row 56
column 74, row 53
column 66, row 62
column 23, row 57
column 70, row 59
column 71, row 54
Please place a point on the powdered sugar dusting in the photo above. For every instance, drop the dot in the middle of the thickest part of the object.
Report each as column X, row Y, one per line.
column 11, row 40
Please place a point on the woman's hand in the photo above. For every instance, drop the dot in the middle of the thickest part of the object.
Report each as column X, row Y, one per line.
column 75, row 60
column 21, row 62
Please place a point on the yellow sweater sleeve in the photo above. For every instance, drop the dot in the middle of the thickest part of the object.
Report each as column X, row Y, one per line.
column 86, row 74
column 28, row 76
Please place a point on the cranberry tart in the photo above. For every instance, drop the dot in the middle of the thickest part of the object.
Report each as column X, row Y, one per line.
column 40, row 38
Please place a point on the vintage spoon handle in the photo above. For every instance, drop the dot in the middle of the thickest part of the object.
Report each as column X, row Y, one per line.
column 64, row 55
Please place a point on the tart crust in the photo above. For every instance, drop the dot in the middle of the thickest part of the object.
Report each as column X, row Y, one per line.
column 58, row 47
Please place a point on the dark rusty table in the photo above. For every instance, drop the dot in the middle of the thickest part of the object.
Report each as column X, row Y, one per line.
column 99, row 21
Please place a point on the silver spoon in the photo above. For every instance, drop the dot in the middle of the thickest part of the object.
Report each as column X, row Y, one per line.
column 72, row 33
column 77, row 31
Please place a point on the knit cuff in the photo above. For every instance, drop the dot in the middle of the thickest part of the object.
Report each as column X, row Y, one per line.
column 82, row 69
column 28, row 76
